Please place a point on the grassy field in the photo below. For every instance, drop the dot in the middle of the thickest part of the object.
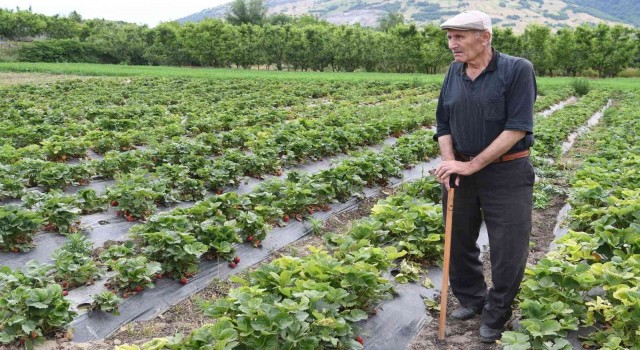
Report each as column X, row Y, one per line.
column 206, row 73
column 85, row 69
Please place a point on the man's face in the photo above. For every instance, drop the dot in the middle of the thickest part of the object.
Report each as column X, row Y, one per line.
column 466, row 45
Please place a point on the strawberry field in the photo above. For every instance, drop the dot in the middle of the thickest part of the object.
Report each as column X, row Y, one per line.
column 122, row 197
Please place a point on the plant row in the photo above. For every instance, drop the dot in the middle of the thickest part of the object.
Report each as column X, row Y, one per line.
column 553, row 130
column 182, row 170
column 547, row 97
column 102, row 108
column 244, row 152
column 591, row 278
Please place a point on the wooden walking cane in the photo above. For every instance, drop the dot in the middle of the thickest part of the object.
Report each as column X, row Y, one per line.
column 447, row 256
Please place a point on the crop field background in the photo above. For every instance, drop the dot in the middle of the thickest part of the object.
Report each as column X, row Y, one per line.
column 126, row 190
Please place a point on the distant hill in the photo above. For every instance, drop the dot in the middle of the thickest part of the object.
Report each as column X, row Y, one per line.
column 505, row 13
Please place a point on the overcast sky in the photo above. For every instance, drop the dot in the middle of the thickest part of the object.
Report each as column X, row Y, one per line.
column 150, row 12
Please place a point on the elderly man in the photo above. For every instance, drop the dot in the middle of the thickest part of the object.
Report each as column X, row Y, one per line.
column 484, row 130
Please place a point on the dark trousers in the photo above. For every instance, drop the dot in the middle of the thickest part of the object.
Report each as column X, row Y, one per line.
column 502, row 195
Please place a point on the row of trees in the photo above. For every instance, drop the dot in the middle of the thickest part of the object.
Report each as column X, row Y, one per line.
column 306, row 43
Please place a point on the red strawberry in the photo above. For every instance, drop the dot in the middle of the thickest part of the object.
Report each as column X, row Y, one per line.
column 250, row 238
column 184, row 281
column 286, row 218
column 219, row 192
column 65, row 293
column 360, row 340
column 236, row 260
column 118, row 213
column 130, row 218
column 138, row 289
column 232, row 265
column 114, row 203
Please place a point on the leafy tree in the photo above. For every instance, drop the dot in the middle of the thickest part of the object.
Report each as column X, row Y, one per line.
column 62, row 28
column 612, row 49
column 348, row 48
column 21, row 24
column 247, row 11
column 435, row 50
column 566, row 52
column 279, row 19
column 245, row 52
column 273, row 44
column 504, row 40
column 389, row 21
column 404, row 49
column 209, row 42
column 126, row 41
column 165, row 45
column 536, row 48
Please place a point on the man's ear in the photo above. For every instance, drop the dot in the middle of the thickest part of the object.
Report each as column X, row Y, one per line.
column 486, row 38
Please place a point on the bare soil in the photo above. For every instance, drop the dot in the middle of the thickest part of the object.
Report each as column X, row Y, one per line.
column 8, row 78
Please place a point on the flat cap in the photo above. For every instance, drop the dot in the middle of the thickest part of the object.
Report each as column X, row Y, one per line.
column 469, row 20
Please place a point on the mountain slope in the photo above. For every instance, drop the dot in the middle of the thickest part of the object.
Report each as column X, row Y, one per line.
column 505, row 13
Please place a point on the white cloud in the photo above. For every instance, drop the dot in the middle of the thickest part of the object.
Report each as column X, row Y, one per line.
column 150, row 12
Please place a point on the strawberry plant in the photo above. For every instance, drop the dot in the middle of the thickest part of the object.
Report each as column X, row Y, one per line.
column 73, row 265
column 134, row 194
column 220, row 335
column 32, row 306
column 122, row 162
column 117, row 251
column 60, row 212
column 104, row 141
column 61, row 148
column 177, row 252
column 17, row 228
column 250, row 224
column 54, row 176
column 90, row 202
column 414, row 224
column 318, row 287
column 169, row 221
column 220, row 173
column 29, row 170
column 180, row 186
column 218, row 235
column 344, row 181
column 132, row 273
column 106, row 301
column 10, row 185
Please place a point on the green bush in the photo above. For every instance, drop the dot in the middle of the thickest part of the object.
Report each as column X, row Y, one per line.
column 581, row 86
column 65, row 50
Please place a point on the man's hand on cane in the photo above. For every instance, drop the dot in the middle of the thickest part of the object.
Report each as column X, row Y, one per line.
column 446, row 168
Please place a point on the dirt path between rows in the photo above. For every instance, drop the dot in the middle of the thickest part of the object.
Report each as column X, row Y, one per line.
column 464, row 334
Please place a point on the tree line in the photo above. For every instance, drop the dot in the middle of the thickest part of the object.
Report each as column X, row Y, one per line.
column 307, row 43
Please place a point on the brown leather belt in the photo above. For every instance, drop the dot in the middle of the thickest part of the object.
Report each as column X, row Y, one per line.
column 502, row 158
